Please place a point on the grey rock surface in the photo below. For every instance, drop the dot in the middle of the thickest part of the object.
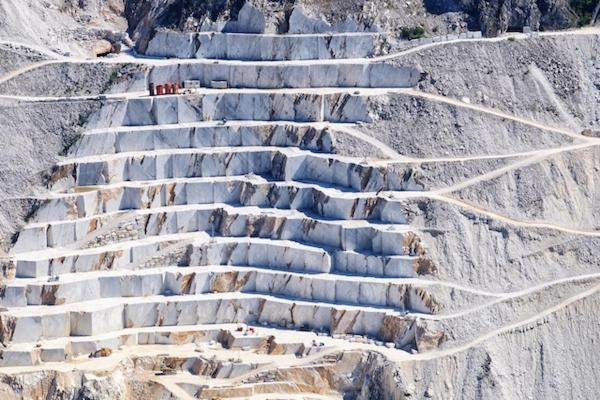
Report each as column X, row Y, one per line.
column 430, row 129
column 311, row 16
column 554, row 79
column 34, row 138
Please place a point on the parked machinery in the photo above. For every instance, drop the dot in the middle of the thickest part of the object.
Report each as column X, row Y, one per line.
column 163, row 89
column 173, row 88
column 191, row 84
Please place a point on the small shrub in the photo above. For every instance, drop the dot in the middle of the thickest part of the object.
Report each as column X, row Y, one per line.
column 583, row 9
column 584, row 20
column 416, row 32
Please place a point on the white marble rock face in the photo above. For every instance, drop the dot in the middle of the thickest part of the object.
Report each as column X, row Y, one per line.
column 281, row 163
column 266, row 76
column 223, row 207
column 248, row 191
column 257, row 47
column 197, row 280
column 233, row 106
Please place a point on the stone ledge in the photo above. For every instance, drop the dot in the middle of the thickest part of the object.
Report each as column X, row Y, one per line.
column 254, row 190
column 22, row 325
column 203, row 250
column 275, row 76
column 190, row 280
column 219, row 220
column 149, row 139
column 284, row 164
column 260, row 47
column 234, row 104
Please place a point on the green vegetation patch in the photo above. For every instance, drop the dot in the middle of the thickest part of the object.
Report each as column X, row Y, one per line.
column 416, row 32
column 584, row 10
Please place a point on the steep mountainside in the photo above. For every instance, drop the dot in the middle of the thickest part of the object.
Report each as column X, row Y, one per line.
column 437, row 17
column 336, row 212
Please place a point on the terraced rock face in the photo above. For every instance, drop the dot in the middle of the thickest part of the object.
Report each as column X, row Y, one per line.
column 290, row 237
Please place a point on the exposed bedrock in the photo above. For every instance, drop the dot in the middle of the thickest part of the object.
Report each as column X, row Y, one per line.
column 340, row 289
column 529, row 360
column 451, row 131
column 561, row 189
column 81, row 79
column 34, row 136
column 238, row 251
column 60, row 78
column 57, row 385
column 13, row 57
column 445, row 173
column 322, row 223
column 261, row 106
column 86, row 319
column 280, row 164
column 230, row 221
column 246, row 191
column 315, row 138
column 248, row 75
column 468, row 326
column 480, row 369
column 479, row 250
column 310, row 16
column 250, row 47
column 552, row 79
column 348, row 373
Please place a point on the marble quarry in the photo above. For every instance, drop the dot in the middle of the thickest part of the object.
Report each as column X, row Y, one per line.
column 193, row 213
column 254, row 199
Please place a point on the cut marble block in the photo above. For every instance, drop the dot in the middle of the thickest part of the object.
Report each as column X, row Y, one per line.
column 91, row 344
column 56, row 354
column 14, row 294
column 100, row 319
column 30, row 327
column 20, row 357
column 30, row 240
column 349, row 262
column 261, row 253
